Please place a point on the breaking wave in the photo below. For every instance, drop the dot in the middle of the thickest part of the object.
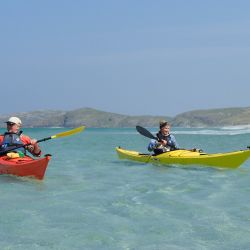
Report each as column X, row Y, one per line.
column 227, row 130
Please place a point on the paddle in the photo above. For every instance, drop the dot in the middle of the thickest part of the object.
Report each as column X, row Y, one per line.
column 62, row 134
column 145, row 133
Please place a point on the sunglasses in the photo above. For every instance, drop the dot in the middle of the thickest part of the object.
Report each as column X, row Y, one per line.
column 10, row 123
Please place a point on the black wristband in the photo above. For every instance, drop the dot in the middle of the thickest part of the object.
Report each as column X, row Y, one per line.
column 37, row 154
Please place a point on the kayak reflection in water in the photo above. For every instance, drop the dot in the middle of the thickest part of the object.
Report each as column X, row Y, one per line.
column 14, row 138
column 166, row 141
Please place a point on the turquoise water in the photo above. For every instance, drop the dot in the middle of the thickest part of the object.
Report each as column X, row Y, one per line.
column 90, row 199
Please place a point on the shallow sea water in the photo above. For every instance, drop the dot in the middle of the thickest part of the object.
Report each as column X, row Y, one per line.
column 90, row 199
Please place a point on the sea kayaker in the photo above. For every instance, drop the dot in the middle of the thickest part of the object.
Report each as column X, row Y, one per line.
column 13, row 137
column 166, row 141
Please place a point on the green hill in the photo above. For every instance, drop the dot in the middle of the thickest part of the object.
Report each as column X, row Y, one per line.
column 84, row 116
column 213, row 118
column 101, row 119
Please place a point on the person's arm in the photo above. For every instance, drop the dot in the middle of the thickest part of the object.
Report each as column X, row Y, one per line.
column 34, row 148
column 152, row 145
column 1, row 139
column 174, row 142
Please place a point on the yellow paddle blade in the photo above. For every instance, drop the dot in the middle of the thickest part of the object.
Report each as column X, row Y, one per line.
column 69, row 132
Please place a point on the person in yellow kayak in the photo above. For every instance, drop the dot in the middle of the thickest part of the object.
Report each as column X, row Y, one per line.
column 13, row 138
column 166, row 141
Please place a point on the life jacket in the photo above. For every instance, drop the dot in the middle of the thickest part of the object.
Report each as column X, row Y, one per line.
column 11, row 140
column 170, row 142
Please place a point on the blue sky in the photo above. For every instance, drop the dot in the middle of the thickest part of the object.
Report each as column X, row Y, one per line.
column 132, row 57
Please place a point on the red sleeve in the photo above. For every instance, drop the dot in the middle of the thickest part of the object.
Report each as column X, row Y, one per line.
column 1, row 139
column 25, row 139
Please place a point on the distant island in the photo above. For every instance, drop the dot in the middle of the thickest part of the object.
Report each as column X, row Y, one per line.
column 101, row 119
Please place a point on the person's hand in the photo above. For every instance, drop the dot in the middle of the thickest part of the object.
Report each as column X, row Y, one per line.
column 33, row 145
column 163, row 142
column 30, row 148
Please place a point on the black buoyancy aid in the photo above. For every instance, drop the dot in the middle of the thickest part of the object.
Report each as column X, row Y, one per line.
column 11, row 140
column 167, row 138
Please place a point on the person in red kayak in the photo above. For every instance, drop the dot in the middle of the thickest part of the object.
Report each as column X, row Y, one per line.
column 14, row 138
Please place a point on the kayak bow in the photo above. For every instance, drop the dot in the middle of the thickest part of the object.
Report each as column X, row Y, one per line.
column 187, row 157
column 26, row 166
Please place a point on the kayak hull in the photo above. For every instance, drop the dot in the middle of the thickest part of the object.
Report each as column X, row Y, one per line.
column 187, row 157
column 26, row 166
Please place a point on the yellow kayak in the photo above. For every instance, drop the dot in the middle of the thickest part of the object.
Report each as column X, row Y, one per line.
column 187, row 157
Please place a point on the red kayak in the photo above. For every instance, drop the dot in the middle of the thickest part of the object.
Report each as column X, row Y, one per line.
column 26, row 166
